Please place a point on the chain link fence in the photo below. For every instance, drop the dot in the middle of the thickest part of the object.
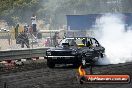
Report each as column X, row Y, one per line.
column 44, row 38
column 28, row 40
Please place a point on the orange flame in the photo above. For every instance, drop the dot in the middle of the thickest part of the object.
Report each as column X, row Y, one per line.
column 82, row 72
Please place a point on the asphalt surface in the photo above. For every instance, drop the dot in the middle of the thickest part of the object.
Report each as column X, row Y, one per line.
column 40, row 76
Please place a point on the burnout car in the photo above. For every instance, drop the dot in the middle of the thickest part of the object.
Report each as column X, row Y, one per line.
column 76, row 51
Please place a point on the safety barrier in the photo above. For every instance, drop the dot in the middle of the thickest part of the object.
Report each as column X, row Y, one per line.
column 22, row 54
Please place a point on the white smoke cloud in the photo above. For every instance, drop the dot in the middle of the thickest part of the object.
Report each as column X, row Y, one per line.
column 117, row 42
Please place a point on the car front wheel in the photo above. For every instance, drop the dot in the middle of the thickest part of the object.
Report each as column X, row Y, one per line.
column 50, row 63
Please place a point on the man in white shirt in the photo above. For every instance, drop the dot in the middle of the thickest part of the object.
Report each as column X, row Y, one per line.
column 33, row 19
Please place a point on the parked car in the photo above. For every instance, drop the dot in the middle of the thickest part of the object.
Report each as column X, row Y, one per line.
column 76, row 51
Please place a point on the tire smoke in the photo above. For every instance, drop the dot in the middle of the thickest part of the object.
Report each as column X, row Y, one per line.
column 114, row 37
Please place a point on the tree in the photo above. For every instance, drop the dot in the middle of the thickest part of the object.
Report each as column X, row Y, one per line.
column 15, row 11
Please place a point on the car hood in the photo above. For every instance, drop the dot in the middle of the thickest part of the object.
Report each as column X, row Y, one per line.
column 60, row 48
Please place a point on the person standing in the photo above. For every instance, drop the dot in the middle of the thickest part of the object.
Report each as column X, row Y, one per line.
column 34, row 24
column 22, row 38
column 16, row 30
column 55, row 39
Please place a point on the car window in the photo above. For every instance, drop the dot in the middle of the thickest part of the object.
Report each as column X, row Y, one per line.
column 79, row 41
column 88, row 42
column 62, row 41
column 94, row 42
column 70, row 41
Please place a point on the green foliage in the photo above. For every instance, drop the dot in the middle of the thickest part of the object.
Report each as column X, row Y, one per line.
column 16, row 10
column 55, row 11
column 5, row 4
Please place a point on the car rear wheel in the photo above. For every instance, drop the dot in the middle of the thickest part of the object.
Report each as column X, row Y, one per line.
column 50, row 64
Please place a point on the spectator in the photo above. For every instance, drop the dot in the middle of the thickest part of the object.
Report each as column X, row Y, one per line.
column 30, row 30
column 34, row 24
column 47, row 42
column 23, row 39
column 55, row 39
column 26, row 28
column 16, row 30
column 64, row 36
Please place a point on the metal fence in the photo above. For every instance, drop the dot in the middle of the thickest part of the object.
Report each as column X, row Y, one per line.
column 42, row 39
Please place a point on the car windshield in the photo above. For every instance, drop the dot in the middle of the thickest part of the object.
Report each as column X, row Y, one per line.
column 73, row 41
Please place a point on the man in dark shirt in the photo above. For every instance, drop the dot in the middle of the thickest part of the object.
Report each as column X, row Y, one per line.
column 23, row 39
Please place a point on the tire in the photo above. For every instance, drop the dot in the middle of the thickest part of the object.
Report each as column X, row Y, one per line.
column 50, row 63
column 76, row 64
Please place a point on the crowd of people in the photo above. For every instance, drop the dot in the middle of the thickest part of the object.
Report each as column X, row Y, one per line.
column 22, row 37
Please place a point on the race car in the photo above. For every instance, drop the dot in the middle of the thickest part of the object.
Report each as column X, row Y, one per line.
column 76, row 51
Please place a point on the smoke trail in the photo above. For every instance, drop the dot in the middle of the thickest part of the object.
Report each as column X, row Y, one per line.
column 117, row 42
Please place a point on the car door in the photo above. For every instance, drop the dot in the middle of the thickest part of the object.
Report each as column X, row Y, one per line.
column 96, row 47
column 89, row 50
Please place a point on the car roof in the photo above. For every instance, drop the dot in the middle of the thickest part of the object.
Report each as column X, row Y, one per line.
column 78, row 37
